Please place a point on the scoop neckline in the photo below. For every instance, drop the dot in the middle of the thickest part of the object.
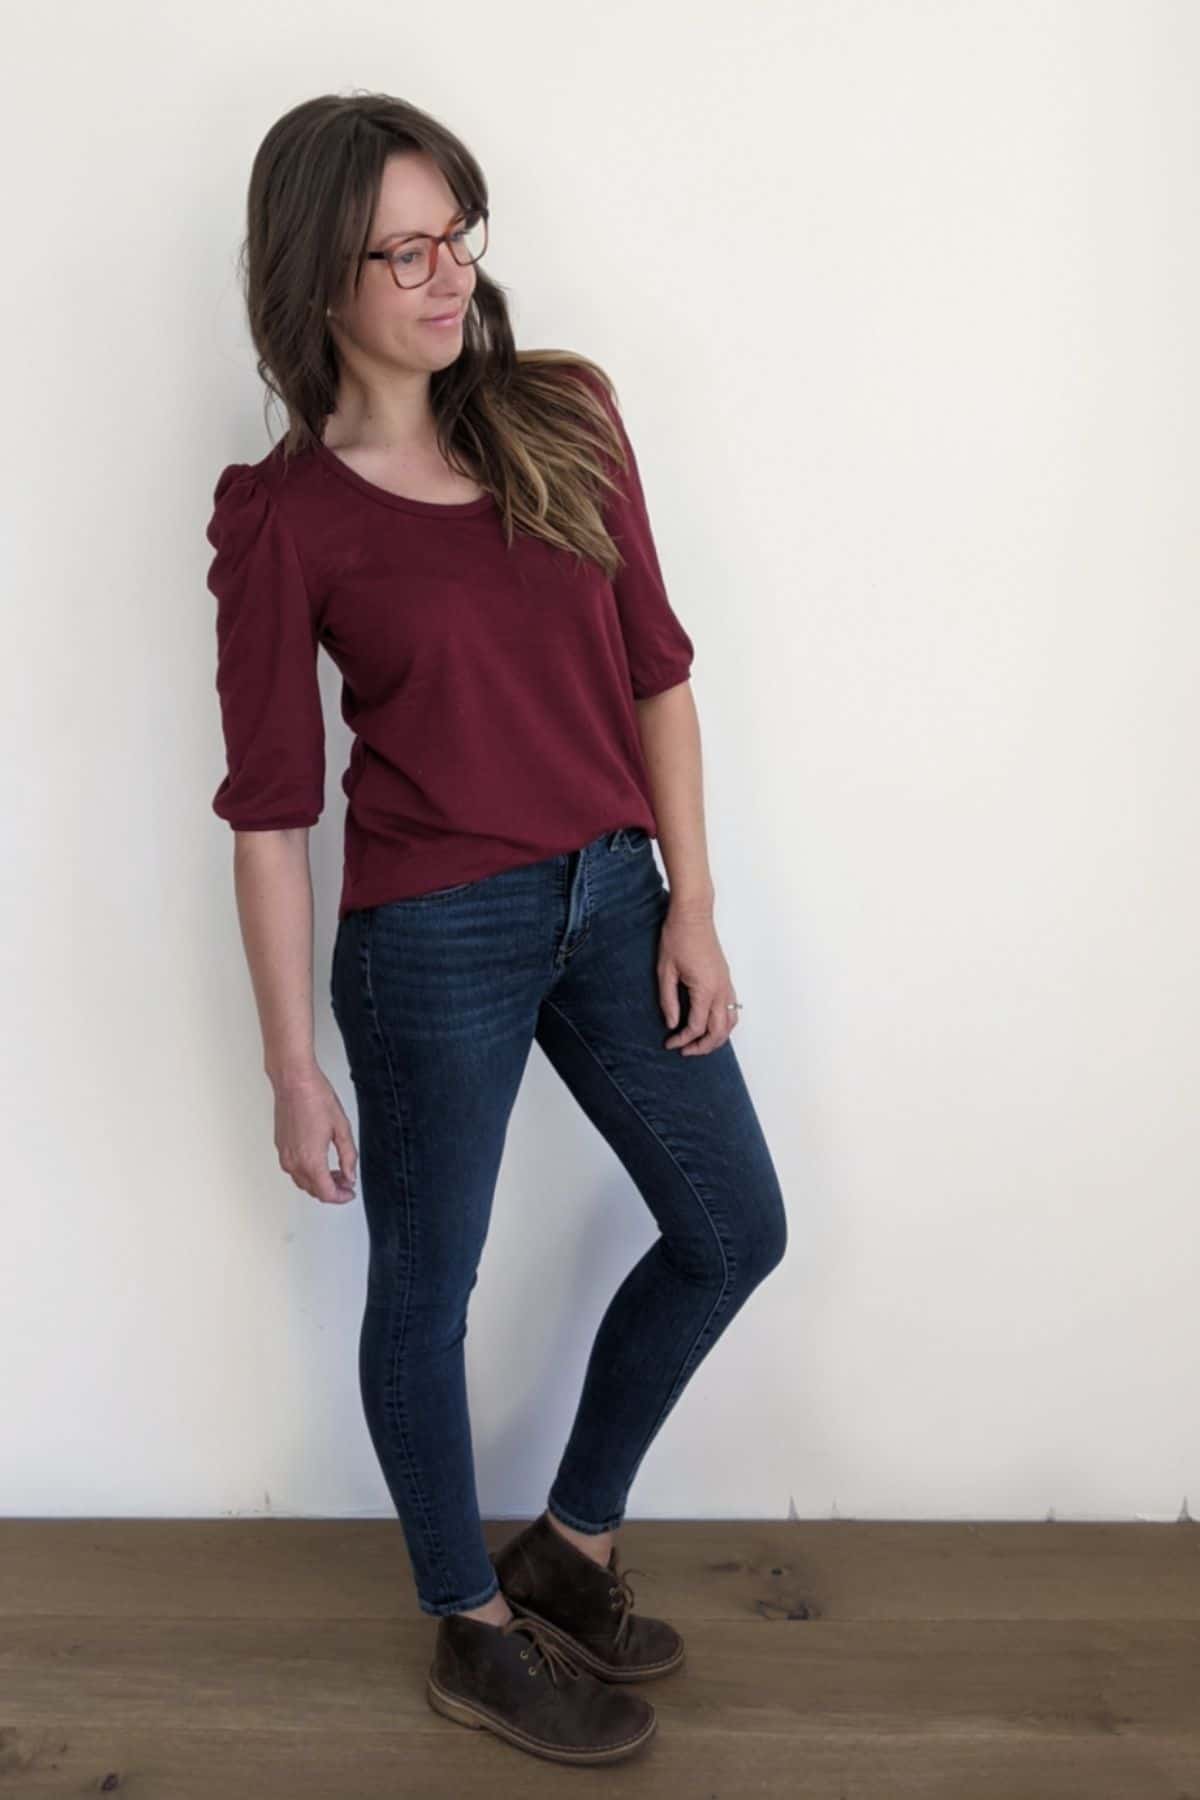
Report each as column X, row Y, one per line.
column 437, row 509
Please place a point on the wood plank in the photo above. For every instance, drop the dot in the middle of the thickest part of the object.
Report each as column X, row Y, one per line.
column 445, row 1762
column 722, row 1569
column 1100, row 1676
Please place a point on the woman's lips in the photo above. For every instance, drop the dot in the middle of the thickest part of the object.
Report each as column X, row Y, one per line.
column 445, row 319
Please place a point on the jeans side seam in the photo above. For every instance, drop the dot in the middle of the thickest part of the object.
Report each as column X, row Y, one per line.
column 725, row 1283
column 390, row 1403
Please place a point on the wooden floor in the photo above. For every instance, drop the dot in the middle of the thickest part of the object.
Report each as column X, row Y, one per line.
column 253, row 1660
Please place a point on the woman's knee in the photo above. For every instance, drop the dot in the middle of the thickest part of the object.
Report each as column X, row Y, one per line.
column 749, row 1240
column 763, row 1238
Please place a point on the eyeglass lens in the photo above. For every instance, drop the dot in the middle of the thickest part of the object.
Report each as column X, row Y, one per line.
column 412, row 258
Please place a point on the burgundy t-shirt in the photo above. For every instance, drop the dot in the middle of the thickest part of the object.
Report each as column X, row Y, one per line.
column 490, row 691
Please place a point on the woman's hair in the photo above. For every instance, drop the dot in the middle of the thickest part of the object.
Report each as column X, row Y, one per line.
column 530, row 426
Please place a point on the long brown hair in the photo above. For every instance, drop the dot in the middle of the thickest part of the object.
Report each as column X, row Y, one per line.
column 530, row 426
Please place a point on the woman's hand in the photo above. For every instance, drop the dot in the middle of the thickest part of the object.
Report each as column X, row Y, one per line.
column 308, row 1118
column 689, row 952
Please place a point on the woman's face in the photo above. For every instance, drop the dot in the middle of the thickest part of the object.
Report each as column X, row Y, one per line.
column 390, row 325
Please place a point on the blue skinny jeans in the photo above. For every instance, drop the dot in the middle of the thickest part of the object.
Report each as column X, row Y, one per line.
column 438, row 999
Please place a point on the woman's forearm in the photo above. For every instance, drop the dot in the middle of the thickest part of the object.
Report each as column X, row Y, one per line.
column 273, row 884
column 670, row 733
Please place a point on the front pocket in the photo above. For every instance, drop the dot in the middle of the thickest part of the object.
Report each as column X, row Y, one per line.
column 635, row 837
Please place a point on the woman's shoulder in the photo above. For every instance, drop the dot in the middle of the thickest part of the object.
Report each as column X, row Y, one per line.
column 272, row 475
column 247, row 497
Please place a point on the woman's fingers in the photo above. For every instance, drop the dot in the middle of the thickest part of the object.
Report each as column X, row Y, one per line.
column 717, row 1029
column 699, row 999
column 343, row 1142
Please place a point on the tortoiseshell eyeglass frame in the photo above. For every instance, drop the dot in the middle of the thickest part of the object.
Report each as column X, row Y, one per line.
column 437, row 242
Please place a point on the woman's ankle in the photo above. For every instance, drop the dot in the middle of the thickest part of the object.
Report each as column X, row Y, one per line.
column 596, row 1545
column 495, row 1611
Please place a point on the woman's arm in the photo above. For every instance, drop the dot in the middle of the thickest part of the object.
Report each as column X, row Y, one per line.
column 273, row 885
column 689, row 950
column 670, row 732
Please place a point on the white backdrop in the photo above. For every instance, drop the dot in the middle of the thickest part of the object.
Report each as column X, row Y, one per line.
column 900, row 301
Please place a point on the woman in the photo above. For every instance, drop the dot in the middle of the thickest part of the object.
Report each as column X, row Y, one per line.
column 463, row 527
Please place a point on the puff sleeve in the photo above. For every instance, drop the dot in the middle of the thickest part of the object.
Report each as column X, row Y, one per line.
column 266, row 674
column 659, row 650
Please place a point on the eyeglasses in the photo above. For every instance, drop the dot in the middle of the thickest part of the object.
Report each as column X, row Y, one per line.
column 413, row 260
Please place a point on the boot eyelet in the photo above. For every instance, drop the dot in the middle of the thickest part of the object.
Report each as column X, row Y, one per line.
column 524, row 1654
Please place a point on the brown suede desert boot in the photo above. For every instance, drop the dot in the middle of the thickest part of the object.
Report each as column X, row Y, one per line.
column 585, row 1609
column 511, row 1680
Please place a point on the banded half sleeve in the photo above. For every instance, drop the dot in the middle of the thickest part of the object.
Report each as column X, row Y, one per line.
column 266, row 676
column 659, row 650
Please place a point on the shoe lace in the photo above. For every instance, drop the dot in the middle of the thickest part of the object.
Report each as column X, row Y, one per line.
column 552, row 1657
column 622, row 1598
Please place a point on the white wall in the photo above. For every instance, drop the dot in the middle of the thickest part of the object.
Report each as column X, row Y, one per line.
column 908, row 352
